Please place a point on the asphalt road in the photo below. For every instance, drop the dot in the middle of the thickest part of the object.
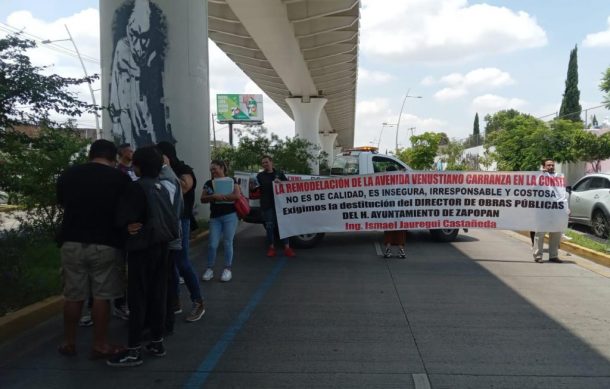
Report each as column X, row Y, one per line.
column 477, row 313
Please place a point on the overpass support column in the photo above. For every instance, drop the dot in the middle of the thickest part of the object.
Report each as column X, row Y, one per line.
column 307, row 119
column 328, row 145
column 155, row 82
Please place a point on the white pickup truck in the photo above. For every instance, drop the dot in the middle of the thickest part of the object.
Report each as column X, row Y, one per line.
column 362, row 160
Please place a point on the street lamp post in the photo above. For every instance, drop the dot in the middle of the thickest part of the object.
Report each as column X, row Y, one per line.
column 383, row 125
column 400, row 115
column 98, row 133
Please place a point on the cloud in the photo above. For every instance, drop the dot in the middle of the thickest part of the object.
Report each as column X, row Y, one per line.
column 461, row 84
column 450, row 93
column 441, row 30
column 598, row 39
column 366, row 76
column 370, row 114
column 428, row 80
column 369, row 107
column 492, row 103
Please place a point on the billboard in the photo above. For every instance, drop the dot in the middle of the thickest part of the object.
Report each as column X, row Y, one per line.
column 239, row 108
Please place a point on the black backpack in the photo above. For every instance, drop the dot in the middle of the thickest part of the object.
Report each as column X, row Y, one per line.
column 161, row 224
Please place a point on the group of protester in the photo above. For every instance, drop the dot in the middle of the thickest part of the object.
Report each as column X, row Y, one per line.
column 136, row 215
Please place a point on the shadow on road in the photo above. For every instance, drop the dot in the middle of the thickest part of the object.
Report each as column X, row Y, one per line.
column 338, row 315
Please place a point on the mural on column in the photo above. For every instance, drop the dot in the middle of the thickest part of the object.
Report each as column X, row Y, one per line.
column 136, row 104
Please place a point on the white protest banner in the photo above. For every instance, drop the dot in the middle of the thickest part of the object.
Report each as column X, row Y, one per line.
column 532, row 201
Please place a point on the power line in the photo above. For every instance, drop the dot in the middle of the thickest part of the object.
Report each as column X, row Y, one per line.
column 571, row 113
column 52, row 46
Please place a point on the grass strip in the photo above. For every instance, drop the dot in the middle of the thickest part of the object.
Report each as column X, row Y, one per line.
column 583, row 241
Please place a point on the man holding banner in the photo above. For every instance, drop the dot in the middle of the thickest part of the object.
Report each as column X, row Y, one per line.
column 548, row 166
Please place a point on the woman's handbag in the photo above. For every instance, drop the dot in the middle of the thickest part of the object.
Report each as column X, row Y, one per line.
column 242, row 207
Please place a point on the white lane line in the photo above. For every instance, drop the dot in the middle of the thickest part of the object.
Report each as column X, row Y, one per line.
column 378, row 249
column 421, row 381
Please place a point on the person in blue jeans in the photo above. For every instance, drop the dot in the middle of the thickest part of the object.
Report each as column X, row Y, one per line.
column 220, row 192
column 183, row 266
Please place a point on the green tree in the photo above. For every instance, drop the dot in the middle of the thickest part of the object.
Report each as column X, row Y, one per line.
column 23, row 85
column 289, row 155
column 496, row 121
column 31, row 165
column 593, row 149
column 562, row 145
column 604, row 86
column 30, row 168
column 594, row 121
column 570, row 104
column 524, row 140
column 476, row 136
column 423, row 151
column 444, row 139
column 452, row 155
column 520, row 144
column 294, row 155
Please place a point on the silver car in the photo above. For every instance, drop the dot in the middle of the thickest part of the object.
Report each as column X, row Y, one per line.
column 590, row 203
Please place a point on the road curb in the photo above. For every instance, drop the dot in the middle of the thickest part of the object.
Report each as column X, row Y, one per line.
column 592, row 255
column 14, row 323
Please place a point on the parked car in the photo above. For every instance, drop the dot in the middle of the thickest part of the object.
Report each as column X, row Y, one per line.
column 589, row 203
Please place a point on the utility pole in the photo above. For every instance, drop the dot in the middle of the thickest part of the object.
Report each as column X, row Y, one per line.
column 98, row 131
column 400, row 115
column 214, row 128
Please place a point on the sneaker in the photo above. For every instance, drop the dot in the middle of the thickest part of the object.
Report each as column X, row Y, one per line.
column 289, row 252
column 555, row 260
column 271, row 252
column 208, row 274
column 85, row 321
column 156, row 348
column 538, row 259
column 122, row 312
column 197, row 311
column 402, row 254
column 226, row 275
column 129, row 358
column 388, row 253
column 181, row 281
column 177, row 308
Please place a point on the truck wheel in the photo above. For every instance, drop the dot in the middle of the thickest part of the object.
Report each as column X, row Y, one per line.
column 306, row 241
column 444, row 235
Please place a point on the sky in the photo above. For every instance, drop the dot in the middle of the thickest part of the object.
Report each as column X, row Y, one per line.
column 462, row 57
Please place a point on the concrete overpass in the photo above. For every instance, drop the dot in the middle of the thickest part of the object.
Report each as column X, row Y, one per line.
column 155, row 81
column 297, row 51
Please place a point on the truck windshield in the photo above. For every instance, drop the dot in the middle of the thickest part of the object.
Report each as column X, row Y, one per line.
column 345, row 165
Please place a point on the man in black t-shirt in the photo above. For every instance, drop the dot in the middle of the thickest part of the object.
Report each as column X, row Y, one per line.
column 265, row 179
column 91, row 256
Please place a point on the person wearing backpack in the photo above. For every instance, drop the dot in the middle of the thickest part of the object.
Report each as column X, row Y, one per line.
column 220, row 192
column 188, row 183
column 170, row 181
column 146, row 215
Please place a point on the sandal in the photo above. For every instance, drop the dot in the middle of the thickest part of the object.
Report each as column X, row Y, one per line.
column 67, row 350
column 112, row 351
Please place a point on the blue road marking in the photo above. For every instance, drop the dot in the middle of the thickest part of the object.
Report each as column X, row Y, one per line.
column 199, row 377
